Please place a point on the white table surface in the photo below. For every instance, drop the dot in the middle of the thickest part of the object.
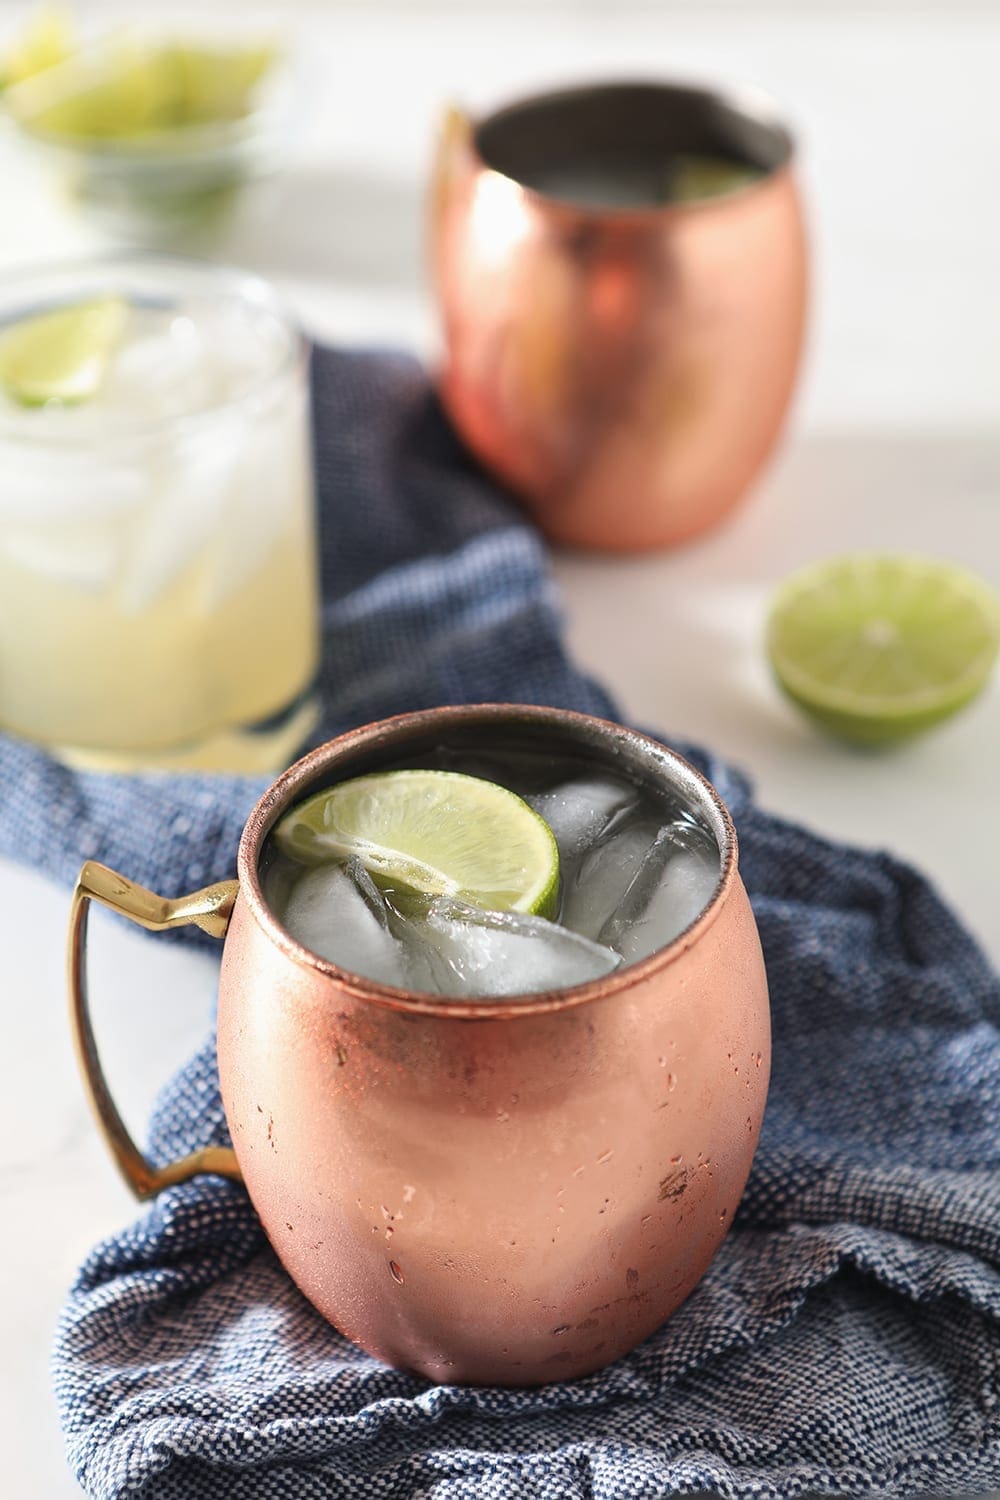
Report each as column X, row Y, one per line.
column 895, row 443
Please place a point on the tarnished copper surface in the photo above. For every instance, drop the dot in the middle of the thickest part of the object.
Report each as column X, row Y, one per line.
column 514, row 1191
column 626, row 372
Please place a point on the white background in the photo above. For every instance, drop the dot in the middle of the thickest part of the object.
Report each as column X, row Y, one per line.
column 894, row 443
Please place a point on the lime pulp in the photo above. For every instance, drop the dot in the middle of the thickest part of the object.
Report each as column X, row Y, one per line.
column 879, row 647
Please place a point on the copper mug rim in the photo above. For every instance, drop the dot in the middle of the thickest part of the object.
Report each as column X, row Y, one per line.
column 307, row 773
column 742, row 100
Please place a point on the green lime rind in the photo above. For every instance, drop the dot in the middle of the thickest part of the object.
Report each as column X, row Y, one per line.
column 877, row 648
column 61, row 355
column 432, row 832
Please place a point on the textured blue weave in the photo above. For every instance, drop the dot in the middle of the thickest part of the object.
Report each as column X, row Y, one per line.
column 847, row 1337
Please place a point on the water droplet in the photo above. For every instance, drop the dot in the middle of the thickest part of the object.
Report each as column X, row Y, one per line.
column 605, row 1157
column 675, row 1159
column 757, row 1059
column 502, row 1117
column 671, row 1082
column 395, row 1272
column 563, row 1328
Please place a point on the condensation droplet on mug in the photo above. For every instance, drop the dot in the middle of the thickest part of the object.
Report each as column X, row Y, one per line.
column 758, row 1058
column 563, row 1328
column 395, row 1272
column 675, row 1159
column 605, row 1157
column 671, row 1082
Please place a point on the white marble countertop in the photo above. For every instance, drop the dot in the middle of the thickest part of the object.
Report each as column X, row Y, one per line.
column 895, row 442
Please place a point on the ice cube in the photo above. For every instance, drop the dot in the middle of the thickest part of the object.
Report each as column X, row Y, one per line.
column 269, row 495
column 184, row 517
column 339, row 914
column 671, row 887
column 78, row 557
column 593, row 888
column 470, row 952
column 66, row 492
column 580, row 811
column 164, row 368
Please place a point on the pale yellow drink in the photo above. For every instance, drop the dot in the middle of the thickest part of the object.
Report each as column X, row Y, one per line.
column 158, row 594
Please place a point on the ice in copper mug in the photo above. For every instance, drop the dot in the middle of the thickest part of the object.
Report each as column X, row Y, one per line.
column 514, row 1175
column 621, row 271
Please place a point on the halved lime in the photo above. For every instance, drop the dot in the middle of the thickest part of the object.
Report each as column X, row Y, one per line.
column 61, row 355
column 436, row 832
column 877, row 647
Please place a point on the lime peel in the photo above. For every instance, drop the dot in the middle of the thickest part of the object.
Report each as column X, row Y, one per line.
column 434, row 832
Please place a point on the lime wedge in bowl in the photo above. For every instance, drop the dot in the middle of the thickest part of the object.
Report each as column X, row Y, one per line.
column 48, row 38
column 879, row 647
column 435, row 832
column 127, row 92
column 61, row 355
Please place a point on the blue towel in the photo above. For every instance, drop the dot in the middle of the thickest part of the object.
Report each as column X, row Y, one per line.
column 847, row 1337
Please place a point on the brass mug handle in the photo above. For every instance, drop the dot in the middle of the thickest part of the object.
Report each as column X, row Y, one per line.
column 210, row 909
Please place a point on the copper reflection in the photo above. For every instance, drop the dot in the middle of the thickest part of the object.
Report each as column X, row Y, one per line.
column 626, row 372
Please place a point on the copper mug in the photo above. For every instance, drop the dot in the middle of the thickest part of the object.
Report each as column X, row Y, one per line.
column 625, row 370
column 507, row 1191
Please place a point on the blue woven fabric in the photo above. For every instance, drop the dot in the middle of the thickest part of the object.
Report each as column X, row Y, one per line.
column 847, row 1337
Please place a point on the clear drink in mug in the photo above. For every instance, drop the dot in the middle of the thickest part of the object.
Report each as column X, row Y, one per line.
column 157, row 533
column 636, row 867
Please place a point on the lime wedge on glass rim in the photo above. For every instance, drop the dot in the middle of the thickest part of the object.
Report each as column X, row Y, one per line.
column 61, row 355
column 433, row 832
column 878, row 647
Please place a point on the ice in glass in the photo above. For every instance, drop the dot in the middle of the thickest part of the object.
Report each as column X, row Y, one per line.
column 157, row 552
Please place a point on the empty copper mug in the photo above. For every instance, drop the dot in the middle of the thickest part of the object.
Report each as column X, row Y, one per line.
column 625, row 370
column 508, row 1191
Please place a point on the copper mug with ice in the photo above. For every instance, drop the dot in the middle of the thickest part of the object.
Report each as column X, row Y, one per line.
column 490, row 1187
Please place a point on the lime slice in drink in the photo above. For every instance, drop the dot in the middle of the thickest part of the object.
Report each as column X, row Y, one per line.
column 61, row 355
column 436, row 832
column 879, row 647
